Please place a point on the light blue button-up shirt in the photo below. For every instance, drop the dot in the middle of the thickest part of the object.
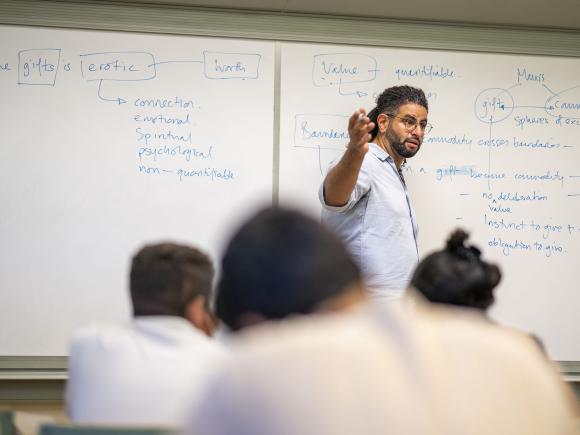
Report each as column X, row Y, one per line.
column 378, row 225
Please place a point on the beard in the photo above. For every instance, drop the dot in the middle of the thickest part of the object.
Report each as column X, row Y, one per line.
column 398, row 144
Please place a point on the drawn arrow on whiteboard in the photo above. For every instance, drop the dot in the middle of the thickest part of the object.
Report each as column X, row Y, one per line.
column 118, row 100
column 174, row 61
column 549, row 90
column 513, row 86
column 359, row 94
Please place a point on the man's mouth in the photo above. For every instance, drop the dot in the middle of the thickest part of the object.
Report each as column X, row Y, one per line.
column 413, row 143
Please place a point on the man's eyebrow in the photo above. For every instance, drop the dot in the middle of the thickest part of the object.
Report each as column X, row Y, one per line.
column 413, row 117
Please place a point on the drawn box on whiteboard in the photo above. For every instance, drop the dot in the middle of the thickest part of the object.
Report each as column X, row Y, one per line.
column 118, row 66
column 231, row 65
column 38, row 66
column 336, row 68
column 321, row 131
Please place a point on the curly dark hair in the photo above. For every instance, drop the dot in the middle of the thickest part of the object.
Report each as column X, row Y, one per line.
column 393, row 98
column 457, row 275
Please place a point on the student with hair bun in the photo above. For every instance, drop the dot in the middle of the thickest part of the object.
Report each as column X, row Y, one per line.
column 457, row 275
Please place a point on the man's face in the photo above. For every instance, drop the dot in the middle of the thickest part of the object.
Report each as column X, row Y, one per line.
column 405, row 129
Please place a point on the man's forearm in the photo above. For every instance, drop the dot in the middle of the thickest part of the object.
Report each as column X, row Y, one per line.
column 341, row 180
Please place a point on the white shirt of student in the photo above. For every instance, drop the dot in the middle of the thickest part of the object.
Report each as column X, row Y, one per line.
column 148, row 372
column 387, row 372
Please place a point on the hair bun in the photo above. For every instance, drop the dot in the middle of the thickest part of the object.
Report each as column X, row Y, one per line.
column 456, row 245
column 456, row 240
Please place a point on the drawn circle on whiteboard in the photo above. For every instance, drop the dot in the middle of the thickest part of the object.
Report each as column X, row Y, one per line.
column 565, row 104
column 493, row 105
column 549, row 106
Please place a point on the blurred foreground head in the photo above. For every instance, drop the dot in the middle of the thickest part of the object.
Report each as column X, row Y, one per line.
column 168, row 279
column 457, row 275
column 280, row 263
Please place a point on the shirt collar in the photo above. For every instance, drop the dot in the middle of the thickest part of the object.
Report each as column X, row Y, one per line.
column 381, row 154
column 166, row 325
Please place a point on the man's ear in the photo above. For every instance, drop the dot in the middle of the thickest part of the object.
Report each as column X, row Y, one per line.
column 383, row 122
column 199, row 316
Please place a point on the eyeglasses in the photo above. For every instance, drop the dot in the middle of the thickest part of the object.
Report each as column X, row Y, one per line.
column 411, row 123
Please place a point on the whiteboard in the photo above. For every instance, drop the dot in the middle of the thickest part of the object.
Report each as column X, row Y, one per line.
column 109, row 141
column 502, row 161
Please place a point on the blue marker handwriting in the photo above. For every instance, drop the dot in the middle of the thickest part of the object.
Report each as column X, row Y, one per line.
column 211, row 173
column 525, row 120
column 493, row 142
column 38, row 66
column 537, row 144
column 164, row 103
column 546, row 176
column 452, row 140
column 165, row 136
column 330, row 133
column 118, row 66
column 515, row 196
column 562, row 121
column 426, row 71
column 452, row 171
column 208, row 172
column 243, row 66
column 331, row 69
column 523, row 75
column 507, row 246
column 162, row 119
column 170, row 151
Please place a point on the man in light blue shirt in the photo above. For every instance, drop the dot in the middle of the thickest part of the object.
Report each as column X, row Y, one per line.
column 364, row 195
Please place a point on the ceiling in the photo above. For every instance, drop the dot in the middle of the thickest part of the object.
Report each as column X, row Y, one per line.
column 554, row 14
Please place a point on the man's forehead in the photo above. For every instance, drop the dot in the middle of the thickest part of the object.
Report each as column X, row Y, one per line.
column 414, row 110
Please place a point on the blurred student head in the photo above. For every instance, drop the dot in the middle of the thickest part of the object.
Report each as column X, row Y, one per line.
column 457, row 275
column 280, row 263
column 173, row 280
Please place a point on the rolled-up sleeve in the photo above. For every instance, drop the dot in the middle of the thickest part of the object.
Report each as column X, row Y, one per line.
column 363, row 185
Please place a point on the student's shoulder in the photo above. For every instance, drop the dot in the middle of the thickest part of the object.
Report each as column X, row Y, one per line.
column 309, row 334
column 480, row 339
column 470, row 325
column 101, row 335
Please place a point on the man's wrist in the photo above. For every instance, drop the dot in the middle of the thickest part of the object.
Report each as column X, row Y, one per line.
column 356, row 152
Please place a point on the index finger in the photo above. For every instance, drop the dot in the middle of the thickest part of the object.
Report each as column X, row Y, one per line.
column 357, row 116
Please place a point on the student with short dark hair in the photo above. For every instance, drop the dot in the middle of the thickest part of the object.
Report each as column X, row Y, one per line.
column 280, row 263
column 173, row 280
column 149, row 371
